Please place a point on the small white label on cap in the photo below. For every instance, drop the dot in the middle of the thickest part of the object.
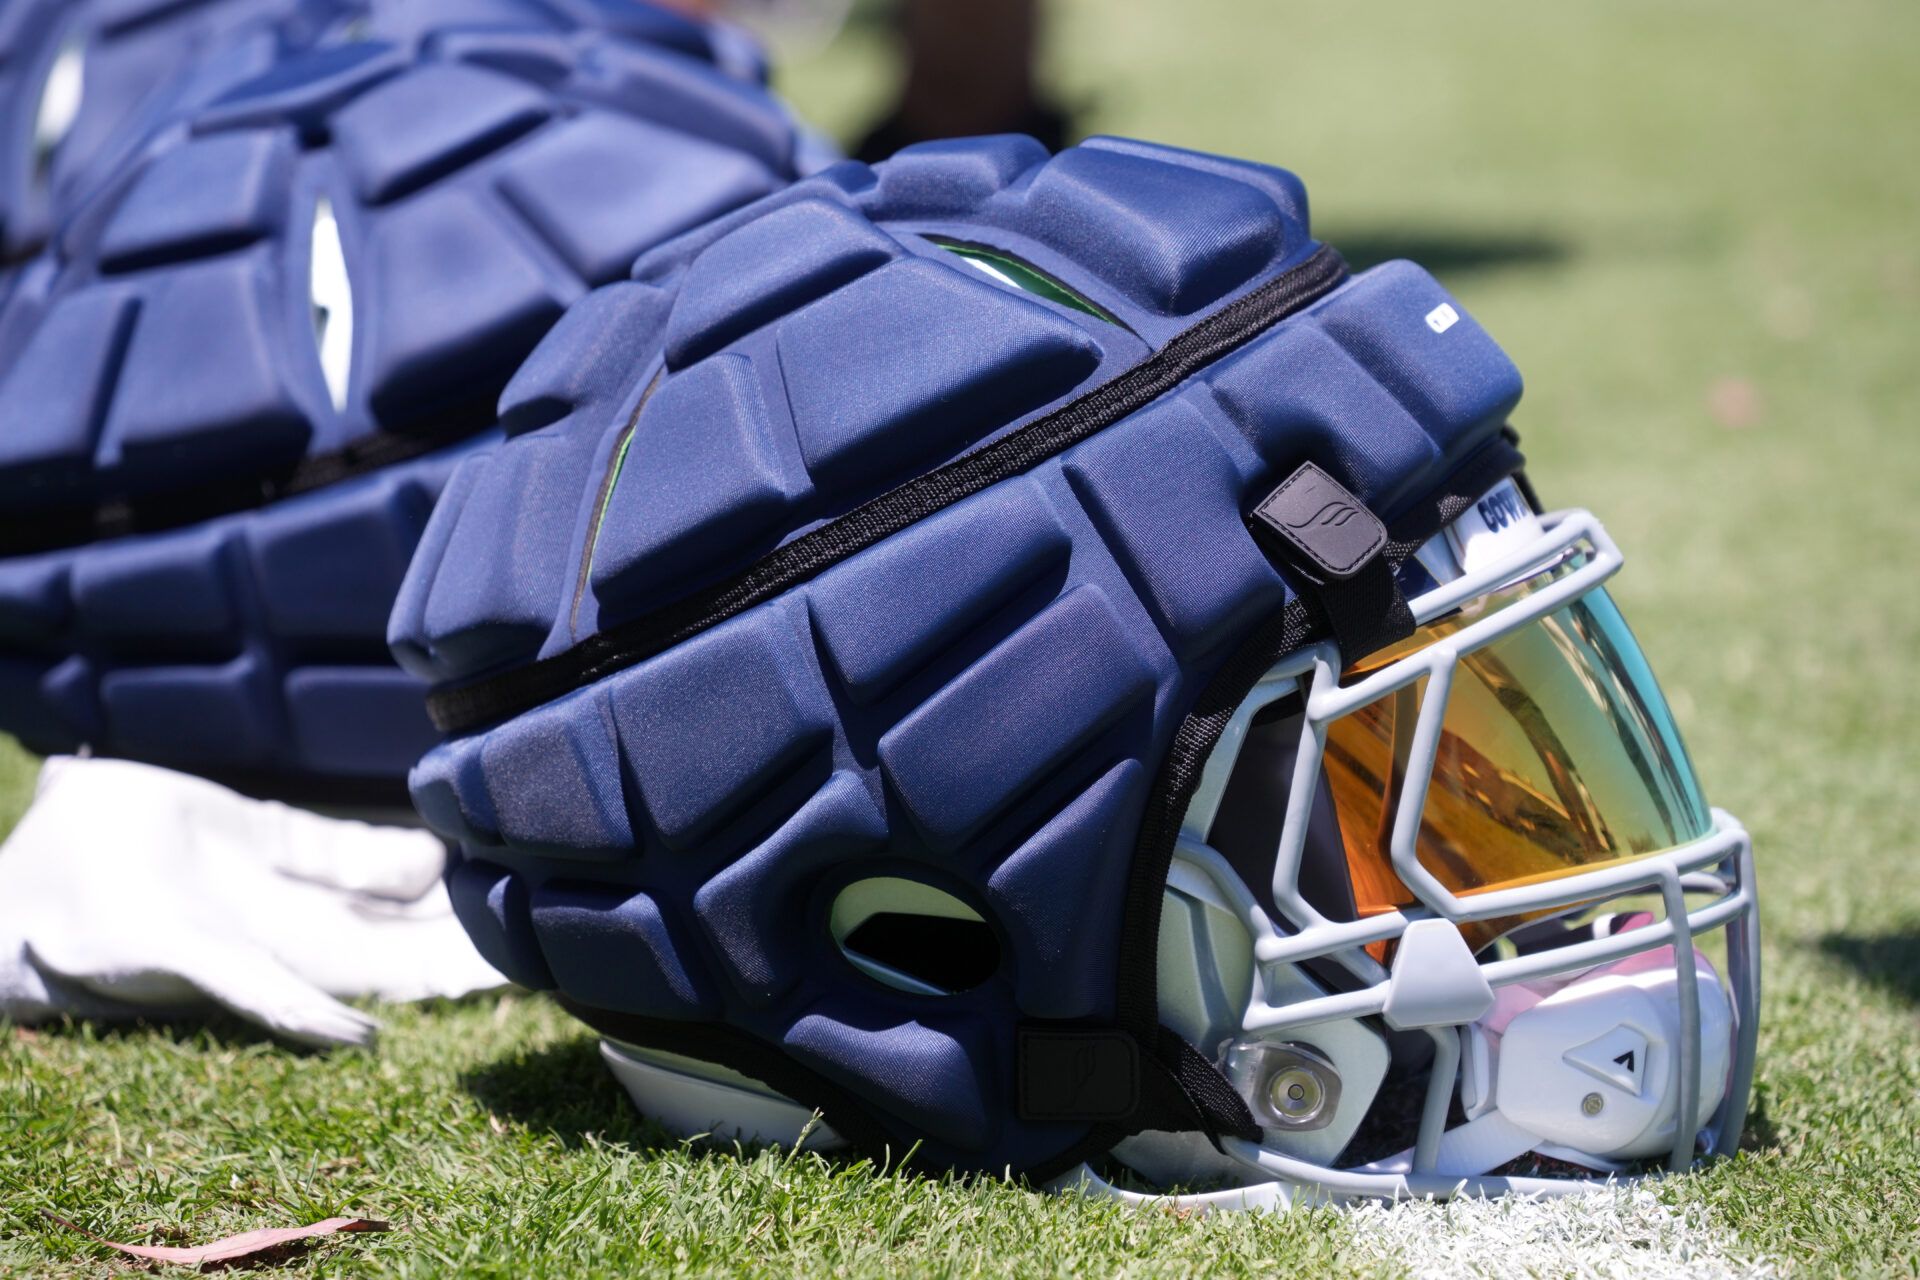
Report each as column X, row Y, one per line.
column 1442, row 318
column 1500, row 523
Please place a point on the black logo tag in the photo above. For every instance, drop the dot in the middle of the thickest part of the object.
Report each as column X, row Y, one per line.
column 1078, row 1075
column 1319, row 519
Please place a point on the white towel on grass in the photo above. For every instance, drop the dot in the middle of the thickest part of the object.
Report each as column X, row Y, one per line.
column 128, row 890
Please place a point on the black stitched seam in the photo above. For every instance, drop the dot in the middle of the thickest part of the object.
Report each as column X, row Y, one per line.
column 464, row 708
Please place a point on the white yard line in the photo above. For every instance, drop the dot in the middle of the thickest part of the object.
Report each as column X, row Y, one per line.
column 1628, row 1234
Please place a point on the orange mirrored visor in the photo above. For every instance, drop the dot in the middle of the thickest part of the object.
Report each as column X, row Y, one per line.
column 1558, row 755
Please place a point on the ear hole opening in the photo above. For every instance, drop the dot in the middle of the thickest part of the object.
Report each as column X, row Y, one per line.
column 913, row 937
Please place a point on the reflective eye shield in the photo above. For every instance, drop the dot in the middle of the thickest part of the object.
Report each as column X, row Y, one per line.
column 1588, row 847
column 1556, row 755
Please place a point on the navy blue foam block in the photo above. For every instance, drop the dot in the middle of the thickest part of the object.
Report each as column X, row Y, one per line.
column 936, row 581
column 350, row 721
column 921, row 1071
column 1024, row 711
column 402, row 134
column 741, row 907
column 917, row 361
column 450, row 792
column 201, row 389
column 1068, row 973
column 143, row 590
column 767, row 268
column 329, row 574
column 202, row 527
column 576, row 809
column 1173, row 238
column 497, row 612
column 37, row 599
column 1374, row 345
column 589, row 359
column 691, row 180
column 211, row 194
column 59, row 390
column 1167, row 499
column 448, row 244
column 979, row 701
column 706, row 727
column 617, row 952
column 705, row 453
column 492, row 905
column 247, row 646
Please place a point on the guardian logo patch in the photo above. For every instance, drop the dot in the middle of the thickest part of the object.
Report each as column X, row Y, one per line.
column 1324, row 523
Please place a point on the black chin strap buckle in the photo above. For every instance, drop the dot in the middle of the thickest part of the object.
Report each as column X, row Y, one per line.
column 1334, row 550
column 1106, row 1075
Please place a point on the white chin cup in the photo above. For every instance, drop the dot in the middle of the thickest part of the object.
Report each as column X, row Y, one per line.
column 693, row 1100
column 1590, row 1069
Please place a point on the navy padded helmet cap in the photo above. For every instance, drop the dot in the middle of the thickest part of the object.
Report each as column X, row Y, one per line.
column 233, row 386
column 825, row 549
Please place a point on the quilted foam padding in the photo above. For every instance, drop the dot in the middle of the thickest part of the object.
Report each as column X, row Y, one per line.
column 981, row 700
column 135, row 58
column 201, row 537
column 244, row 646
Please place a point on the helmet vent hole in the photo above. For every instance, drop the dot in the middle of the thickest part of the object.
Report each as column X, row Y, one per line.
column 914, row 937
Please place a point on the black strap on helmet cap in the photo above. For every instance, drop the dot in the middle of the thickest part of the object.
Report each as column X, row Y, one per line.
column 1334, row 550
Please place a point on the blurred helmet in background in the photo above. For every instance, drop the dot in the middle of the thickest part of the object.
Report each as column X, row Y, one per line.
column 79, row 79
column 233, row 385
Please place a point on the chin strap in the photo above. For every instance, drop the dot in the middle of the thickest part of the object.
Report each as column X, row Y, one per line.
column 1069, row 1073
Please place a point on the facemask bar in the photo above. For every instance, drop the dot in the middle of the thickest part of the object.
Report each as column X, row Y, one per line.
column 1719, row 863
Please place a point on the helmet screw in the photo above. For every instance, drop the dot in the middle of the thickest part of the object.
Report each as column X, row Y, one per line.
column 1288, row 1086
column 1592, row 1104
column 1296, row 1092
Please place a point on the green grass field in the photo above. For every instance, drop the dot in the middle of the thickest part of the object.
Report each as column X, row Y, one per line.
column 1696, row 226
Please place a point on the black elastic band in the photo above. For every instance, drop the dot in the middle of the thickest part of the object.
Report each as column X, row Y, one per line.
column 465, row 708
column 1362, row 614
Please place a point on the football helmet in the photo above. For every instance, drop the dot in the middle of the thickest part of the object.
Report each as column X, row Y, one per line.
column 1030, row 657
column 234, row 385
